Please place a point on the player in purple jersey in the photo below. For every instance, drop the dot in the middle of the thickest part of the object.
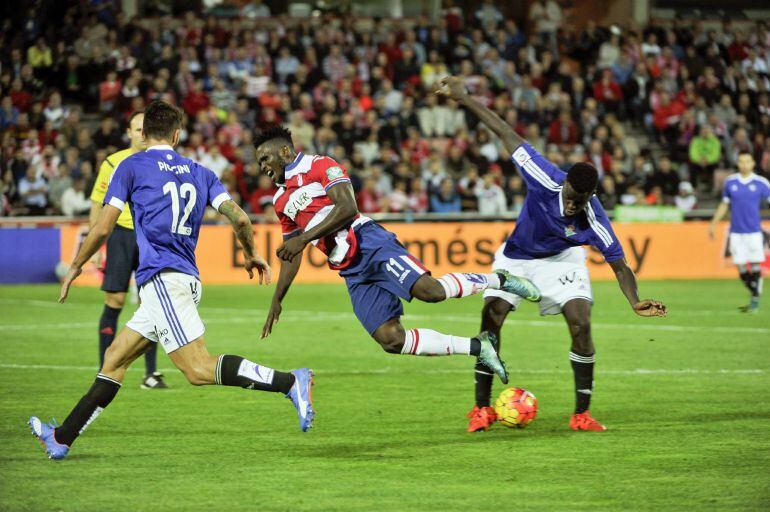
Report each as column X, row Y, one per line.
column 168, row 194
column 560, row 215
column 744, row 194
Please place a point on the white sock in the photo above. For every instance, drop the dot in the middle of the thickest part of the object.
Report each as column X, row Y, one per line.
column 427, row 342
column 457, row 285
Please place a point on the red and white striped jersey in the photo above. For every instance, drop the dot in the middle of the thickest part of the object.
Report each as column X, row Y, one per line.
column 301, row 204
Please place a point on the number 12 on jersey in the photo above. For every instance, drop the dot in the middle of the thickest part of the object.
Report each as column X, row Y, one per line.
column 186, row 191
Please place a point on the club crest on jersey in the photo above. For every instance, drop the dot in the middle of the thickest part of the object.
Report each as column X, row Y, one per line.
column 334, row 172
column 569, row 230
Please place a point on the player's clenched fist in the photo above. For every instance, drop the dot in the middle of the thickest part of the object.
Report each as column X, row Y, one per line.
column 452, row 87
column 650, row 308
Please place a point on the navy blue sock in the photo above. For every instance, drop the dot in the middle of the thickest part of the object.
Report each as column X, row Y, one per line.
column 151, row 360
column 108, row 326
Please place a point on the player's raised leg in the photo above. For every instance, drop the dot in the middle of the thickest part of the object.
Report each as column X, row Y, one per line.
column 394, row 339
column 456, row 285
column 201, row 368
column 493, row 315
column 577, row 313
column 124, row 350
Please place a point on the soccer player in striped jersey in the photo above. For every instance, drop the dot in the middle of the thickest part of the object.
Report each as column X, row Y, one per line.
column 744, row 194
column 315, row 204
column 560, row 215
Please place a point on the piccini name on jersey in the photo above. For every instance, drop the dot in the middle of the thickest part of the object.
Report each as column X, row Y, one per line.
column 176, row 169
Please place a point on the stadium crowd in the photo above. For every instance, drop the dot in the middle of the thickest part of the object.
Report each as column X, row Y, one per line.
column 361, row 91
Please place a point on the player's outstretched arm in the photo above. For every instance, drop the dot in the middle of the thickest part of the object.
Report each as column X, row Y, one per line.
column 627, row 281
column 243, row 231
column 344, row 211
column 288, row 272
column 453, row 87
column 97, row 235
column 718, row 215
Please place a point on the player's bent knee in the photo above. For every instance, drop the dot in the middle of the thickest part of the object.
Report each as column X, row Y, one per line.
column 115, row 300
column 197, row 375
column 427, row 289
column 391, row 338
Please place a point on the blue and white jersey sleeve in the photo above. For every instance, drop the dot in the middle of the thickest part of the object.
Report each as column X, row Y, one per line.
column 217, row 192
column 765, row 188
column 537, row 171
column 602, row 235
column 119, row 189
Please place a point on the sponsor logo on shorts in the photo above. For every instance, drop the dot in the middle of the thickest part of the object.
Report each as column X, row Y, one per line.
column 573, row 277
column 162, row 334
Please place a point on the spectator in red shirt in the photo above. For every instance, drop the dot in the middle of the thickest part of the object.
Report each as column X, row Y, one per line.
column 196, row 100
column 370, row 197
column 599, row 157
column 607, row 92
column 261, row 195
column 20, row 98
column 109, row 92
column 666, row 117
column 738, row 49
column 563, row 130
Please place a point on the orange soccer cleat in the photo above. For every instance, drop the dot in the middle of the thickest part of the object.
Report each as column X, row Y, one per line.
column 481, row 418
column 584, row 421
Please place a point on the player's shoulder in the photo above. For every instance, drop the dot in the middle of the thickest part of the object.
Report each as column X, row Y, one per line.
column 732, row 177
column 762, row 179
column 114, row 159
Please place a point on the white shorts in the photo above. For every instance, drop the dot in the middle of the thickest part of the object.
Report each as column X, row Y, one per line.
column 561, row 278
column 747, row 248
column 168, row 312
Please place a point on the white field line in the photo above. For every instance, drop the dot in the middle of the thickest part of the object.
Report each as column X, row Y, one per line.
column 256, row 315
column 385, row 371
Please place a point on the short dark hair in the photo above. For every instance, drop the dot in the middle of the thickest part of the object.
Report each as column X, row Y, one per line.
column 161, row 119
column 745, row 152
column 133, row 115
column 275, row 132
column 583, row 177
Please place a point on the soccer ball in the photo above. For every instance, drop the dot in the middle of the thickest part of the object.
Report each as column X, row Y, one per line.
column 516, row 407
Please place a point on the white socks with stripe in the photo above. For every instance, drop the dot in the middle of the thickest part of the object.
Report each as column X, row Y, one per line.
column 457, row 285
column 427, row 342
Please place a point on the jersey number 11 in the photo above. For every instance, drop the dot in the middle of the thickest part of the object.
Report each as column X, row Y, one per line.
column 186, row 191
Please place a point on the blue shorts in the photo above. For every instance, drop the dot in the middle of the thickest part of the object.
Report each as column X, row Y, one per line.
column 382, row 274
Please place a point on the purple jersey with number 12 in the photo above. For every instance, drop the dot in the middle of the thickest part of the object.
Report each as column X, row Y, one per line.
column 167, row 194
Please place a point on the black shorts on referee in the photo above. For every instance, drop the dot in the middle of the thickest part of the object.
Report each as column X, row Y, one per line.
column 122, row 260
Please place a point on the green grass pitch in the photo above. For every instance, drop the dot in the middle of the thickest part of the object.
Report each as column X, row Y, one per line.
column 685, row 399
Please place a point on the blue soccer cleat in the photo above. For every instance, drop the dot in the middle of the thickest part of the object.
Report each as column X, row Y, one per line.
column 44, row 433
column 301, row 396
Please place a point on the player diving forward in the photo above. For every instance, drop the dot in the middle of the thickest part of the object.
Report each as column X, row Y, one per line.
column 744, row 192
column 560, row 215
column 315, row 204
column 168, row 195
